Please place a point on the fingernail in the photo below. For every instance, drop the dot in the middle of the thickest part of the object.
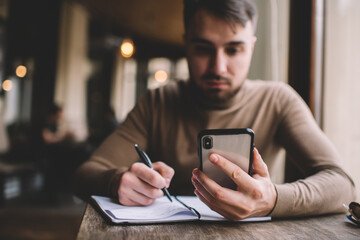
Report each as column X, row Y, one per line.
column 196, row 192
column 195, row 172
column 193, row 181
column 257, row 153
column 214, row 158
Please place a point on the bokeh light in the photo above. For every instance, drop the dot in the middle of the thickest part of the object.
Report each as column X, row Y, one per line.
column 127, row 48
column 7, row 85
column 21, row 71
column 161, row 76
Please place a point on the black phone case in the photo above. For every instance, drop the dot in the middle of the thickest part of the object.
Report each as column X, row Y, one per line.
column 234, row 144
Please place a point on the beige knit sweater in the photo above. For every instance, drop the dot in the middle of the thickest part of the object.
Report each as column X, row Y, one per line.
column 166, row 121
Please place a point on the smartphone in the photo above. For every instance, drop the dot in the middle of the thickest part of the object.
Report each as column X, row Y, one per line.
column 236, row 145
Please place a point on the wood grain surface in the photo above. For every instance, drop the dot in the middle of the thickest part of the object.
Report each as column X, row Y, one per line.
column 93, row 226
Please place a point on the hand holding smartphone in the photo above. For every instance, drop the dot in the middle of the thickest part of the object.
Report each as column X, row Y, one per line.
column 236, row 145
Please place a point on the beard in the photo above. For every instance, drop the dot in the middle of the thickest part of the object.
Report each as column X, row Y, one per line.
column 216, row 96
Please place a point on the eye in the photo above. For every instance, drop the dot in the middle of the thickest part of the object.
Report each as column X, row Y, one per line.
column 233, row 50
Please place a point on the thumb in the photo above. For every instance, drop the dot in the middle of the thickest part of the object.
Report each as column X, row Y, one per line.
column 259, row 166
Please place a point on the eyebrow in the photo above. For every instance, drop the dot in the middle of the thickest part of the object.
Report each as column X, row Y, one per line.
column 204, row 41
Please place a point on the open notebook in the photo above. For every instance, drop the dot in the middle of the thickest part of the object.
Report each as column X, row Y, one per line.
column 181, row 209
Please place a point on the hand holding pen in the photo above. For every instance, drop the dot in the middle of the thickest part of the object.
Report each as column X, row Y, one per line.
column 140, row 185
column 145, row 159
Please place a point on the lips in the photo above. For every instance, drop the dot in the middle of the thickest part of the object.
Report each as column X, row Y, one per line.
column 215, row 83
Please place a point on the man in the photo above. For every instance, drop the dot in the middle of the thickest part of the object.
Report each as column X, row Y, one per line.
column 219, row 37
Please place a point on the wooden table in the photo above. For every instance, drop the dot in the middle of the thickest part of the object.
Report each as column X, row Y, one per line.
column 93, row 226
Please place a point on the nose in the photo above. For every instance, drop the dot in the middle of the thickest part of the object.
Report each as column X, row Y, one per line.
column 218, row 63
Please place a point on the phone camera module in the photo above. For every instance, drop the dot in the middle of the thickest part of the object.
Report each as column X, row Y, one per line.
column 207, row 142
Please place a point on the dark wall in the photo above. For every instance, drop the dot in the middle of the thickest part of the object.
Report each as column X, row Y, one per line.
column 32, row 32
column 300, row 47
column 299, row 63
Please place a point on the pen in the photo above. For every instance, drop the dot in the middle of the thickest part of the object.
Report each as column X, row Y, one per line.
column 145, row 158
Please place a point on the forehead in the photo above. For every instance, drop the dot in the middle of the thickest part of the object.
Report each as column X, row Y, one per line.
column 210, row 27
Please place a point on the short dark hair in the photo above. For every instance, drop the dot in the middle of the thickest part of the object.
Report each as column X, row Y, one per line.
column 232, row 11
column 54, row 108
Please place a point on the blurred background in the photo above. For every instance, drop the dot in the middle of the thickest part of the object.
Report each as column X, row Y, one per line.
column 70, row 70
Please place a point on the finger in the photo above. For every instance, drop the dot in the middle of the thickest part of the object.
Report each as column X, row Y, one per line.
column 220, row 207
column 148, row 175
column 238, row 204
column 200, row 188
column 210, row 204
column 146, row 189
column 214, row 207
column 165, row 171
column 259, row 166
column 138, row 199
column 133, row 191
column 242, row 179
column 210, row 190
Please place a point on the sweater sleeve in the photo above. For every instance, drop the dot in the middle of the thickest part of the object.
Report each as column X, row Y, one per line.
column 325, row 185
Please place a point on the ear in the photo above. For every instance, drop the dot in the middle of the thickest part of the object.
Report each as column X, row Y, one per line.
column 253, row 42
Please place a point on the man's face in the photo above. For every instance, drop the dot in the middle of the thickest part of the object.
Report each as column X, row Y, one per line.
column 218, row 55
